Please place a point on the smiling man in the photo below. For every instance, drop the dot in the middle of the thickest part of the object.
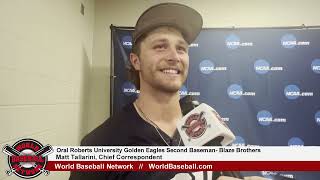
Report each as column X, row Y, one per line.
column 163, row 65
column 159, row 67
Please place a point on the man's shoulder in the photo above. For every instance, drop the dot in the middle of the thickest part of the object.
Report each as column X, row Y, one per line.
column 97, row 136
column 111, row 131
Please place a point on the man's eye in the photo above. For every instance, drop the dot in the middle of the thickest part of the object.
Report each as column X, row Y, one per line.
column 160, row 46
column 181, row 48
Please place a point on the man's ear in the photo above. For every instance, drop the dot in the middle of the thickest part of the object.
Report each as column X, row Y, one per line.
column 135, row 61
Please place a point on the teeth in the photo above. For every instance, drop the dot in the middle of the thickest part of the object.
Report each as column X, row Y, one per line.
column 170, row 71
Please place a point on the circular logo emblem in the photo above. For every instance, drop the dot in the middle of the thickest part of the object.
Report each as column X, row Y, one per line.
column 295, row 141
column 288, row 41
column 315, row 66
column 195, row 125
column 239, row 141
column 183, row 91
column 235, row 91
column 292, row 91
column 232, row 41
column 206, row 67
column 128, row 88
column 261, row 66
column 264, row 117
column 317, row 117
column 27, row 158
column 126, row 42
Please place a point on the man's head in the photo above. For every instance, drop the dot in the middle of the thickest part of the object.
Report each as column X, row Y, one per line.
column 159, row 55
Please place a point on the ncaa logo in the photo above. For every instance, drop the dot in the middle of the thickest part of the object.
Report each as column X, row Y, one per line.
column 288, row 41
column 268, row 174
column 126, row 42
column 317, row 117
column 195, row 125
column 264, row 117
column 194, row 45
column 27, row 158
column 271, row 175
column 235, row 91
column 239, row 141
column 261, row 66
column 183, row 91
column 129, row 88
column 315, row 66
column 206, row 66
column 295, row 141
column 292, row 91
column 233, row 41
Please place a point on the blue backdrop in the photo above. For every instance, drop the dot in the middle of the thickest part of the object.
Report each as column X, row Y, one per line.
column 264, row 82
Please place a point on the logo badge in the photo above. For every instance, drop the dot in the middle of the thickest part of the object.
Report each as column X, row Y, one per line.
column 127, row 42
column 239, row 141
column 295, row 141
column 129, row 89
column 290, row 41
column 195, row 126
column 27, row 158
column 315, row 66
column 233, row 42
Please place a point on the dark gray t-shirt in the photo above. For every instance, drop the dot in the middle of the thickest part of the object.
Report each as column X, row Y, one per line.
column 127, row 128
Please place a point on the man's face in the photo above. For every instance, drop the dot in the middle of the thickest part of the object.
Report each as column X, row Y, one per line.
column 164, row 60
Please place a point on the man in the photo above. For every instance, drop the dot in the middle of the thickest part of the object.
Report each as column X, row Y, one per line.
column 160, row 64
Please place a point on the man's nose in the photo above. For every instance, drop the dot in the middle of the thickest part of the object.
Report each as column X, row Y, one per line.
column 173, row 55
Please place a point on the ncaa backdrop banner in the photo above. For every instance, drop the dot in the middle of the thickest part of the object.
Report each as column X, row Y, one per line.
column 264, row 82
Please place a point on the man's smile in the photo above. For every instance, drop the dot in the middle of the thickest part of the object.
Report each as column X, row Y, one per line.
column 170, row 71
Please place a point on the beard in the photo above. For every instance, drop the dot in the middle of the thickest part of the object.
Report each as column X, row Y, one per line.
column 163, row 82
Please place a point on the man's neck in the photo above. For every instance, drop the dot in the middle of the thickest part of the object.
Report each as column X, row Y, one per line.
column 161, row 108
column 164, row 107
